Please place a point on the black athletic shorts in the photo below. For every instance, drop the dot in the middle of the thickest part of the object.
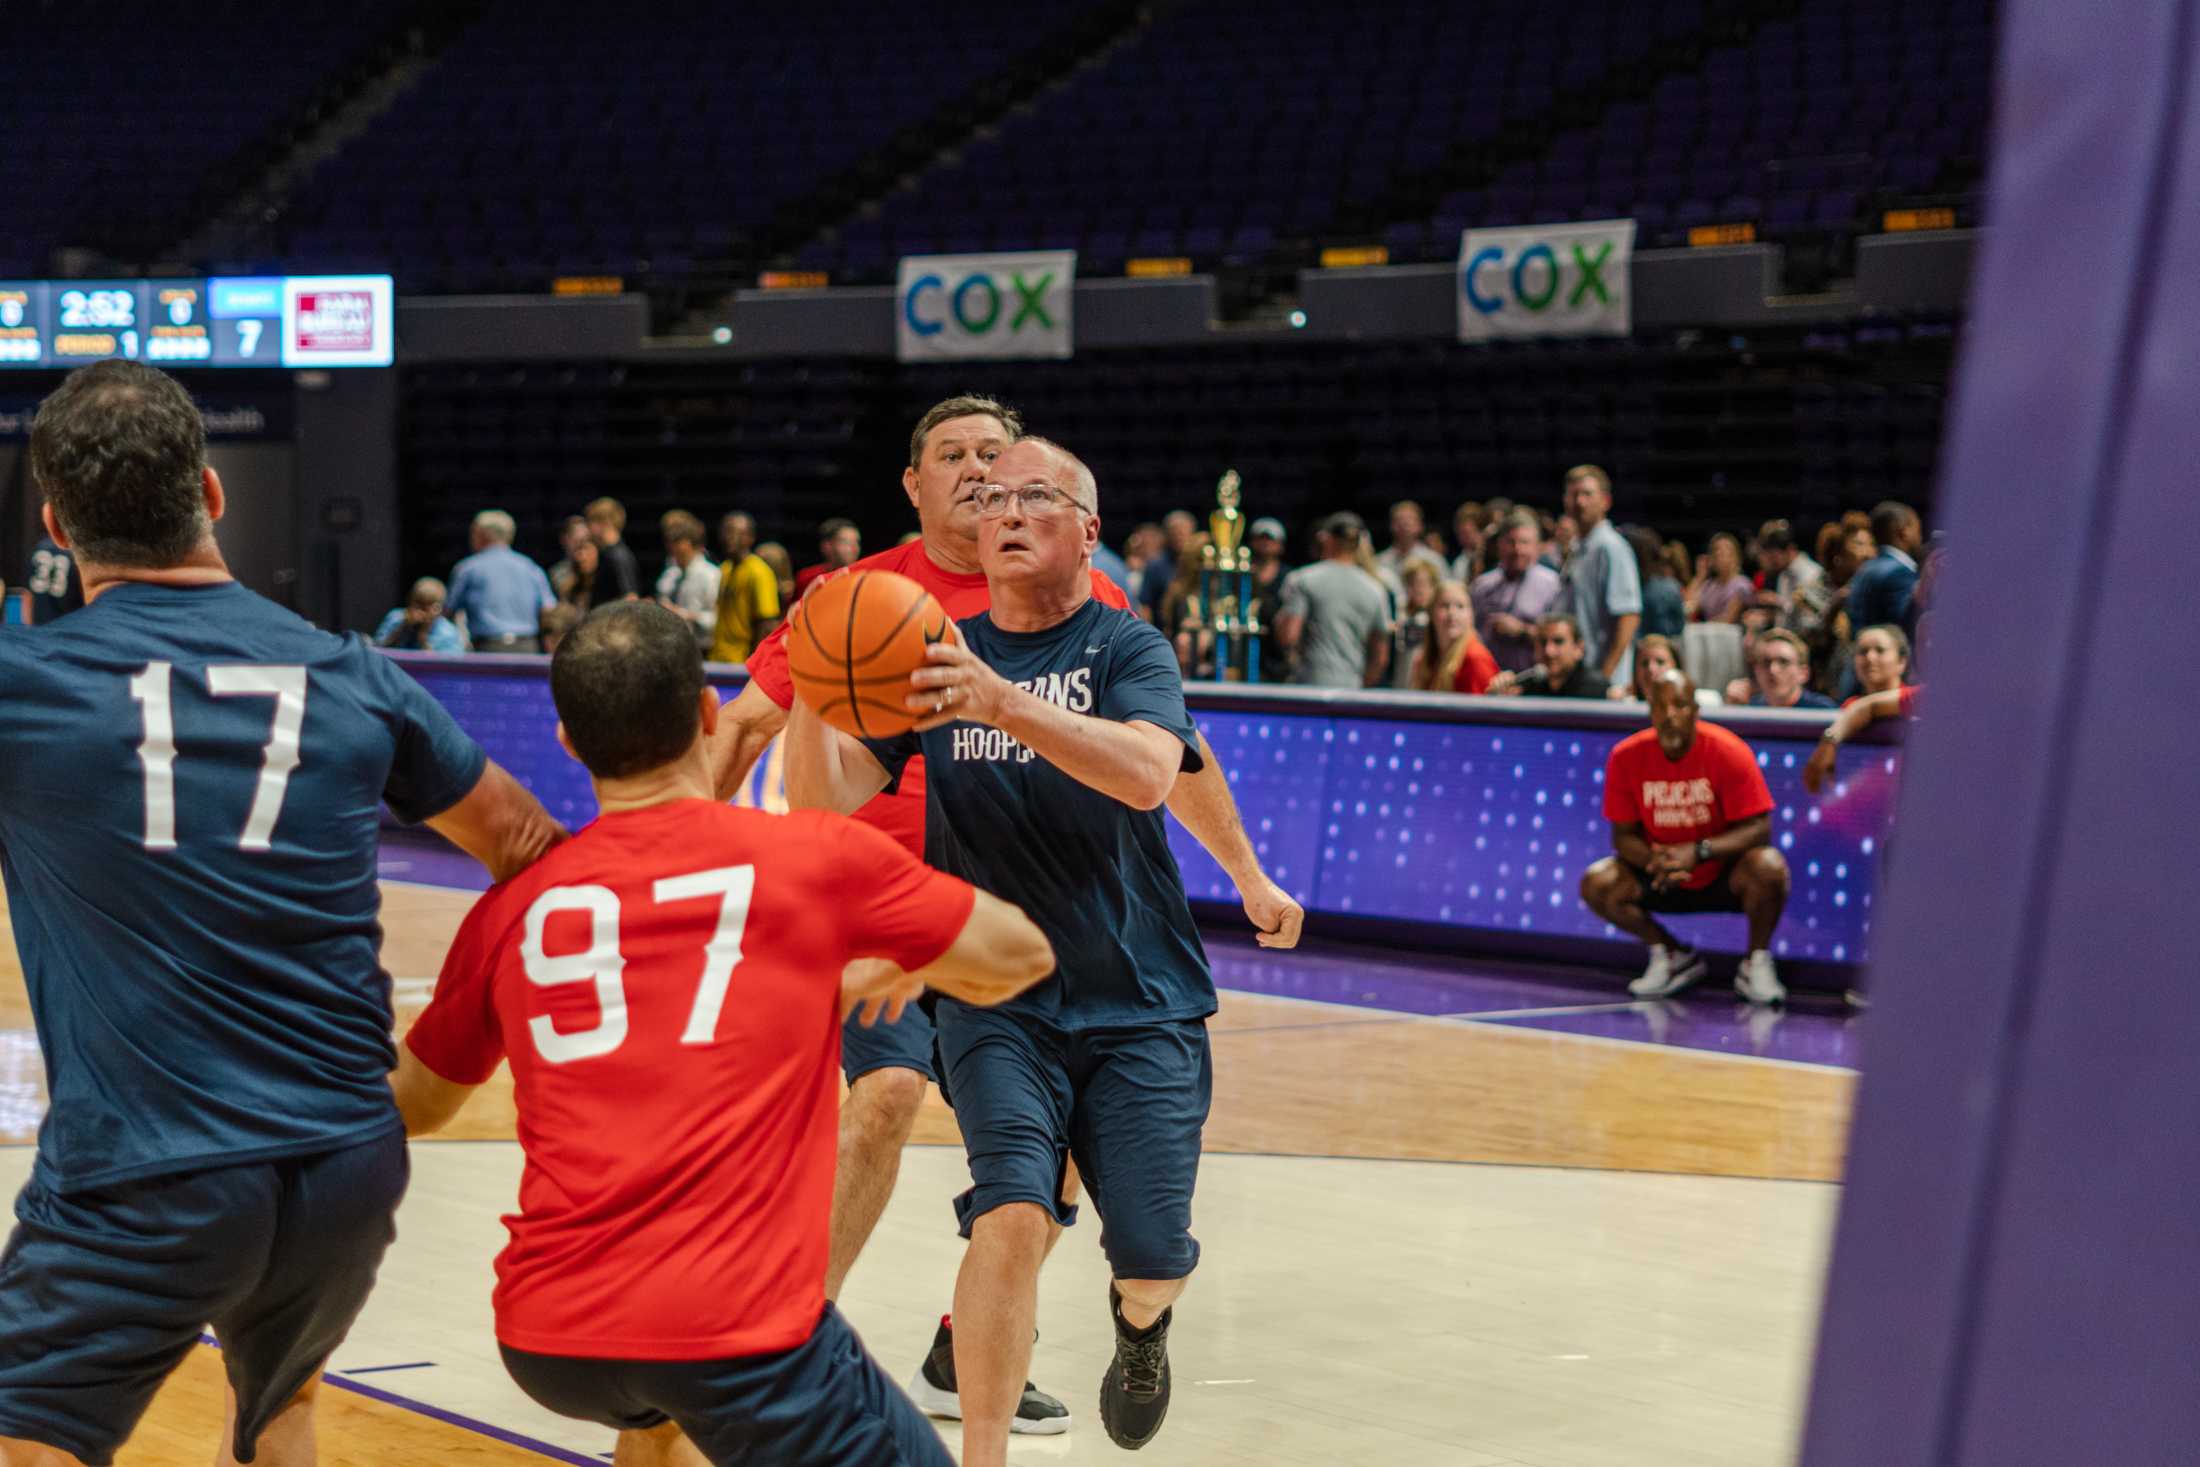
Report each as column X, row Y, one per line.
column 104, row 1290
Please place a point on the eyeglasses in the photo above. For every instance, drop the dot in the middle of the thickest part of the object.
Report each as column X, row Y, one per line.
column 1033, row 501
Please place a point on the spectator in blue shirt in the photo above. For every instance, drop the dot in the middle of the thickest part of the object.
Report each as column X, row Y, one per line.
column 420, row 625
column 498, row 592
column 1779, row 665
column 1886, row 585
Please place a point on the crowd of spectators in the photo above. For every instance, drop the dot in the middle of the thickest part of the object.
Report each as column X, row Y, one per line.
column 1559, row 602
column 1519, row 600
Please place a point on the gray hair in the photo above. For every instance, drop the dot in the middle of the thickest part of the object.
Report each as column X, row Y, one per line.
column 428, row 589
column 497, row 525
column 1082, row 483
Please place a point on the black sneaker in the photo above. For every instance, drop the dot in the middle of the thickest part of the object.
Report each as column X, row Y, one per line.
column 1037, row 1414
column 1134, row 1394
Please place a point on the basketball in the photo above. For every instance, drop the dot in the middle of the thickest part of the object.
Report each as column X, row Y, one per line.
column 854, row 642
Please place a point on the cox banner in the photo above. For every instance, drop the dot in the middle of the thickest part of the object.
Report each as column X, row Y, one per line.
column 1546, row 280
column 954, row 306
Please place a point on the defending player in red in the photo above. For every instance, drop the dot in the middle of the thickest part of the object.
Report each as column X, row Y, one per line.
column 951, row 452
column 1691, row 832
column 669, row 989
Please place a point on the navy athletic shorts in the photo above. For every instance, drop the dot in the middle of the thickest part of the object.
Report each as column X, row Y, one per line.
column 906, row 1044
column 104, row 1291
column 825, row 1403
column 1128, row 1104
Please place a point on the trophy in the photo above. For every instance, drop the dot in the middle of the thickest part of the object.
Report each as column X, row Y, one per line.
column 1226, row 588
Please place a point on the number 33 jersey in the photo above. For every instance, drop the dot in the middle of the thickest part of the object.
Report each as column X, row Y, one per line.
column 666, row 985
column 190, row 783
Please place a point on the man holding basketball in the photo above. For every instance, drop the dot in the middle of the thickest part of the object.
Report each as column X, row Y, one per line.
column 1054, row 733
column 951, row 455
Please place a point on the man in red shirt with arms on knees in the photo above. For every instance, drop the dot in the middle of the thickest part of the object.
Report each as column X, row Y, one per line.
column 669, row 988
column 951, row 453
column 1691, row 832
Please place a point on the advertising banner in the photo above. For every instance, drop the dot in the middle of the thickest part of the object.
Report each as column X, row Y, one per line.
column 954, row 307
column 1546, row 280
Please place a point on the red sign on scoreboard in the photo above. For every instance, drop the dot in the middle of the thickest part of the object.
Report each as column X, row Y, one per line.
column 335, row 320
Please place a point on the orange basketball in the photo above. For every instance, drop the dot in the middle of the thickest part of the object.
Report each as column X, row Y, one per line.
column 854, row 642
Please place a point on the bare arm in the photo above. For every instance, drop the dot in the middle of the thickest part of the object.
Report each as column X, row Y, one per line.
column 1203, row 805
column 1736, row 839
column 1846, row 725
column 425, row 1099
column 499, row 824
column 745, row 728
column 1631, row 846
column 1378, row 658
column 1623, row 637
column 827, row 770
column 1287, row 630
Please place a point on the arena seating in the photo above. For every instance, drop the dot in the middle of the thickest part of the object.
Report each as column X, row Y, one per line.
column 126, row 122
column 554, row 138
column 1807, row 130
column 1223, row 128
column 1700, row 434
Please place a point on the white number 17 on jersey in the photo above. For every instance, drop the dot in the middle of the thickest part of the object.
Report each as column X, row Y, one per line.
column 157, row 750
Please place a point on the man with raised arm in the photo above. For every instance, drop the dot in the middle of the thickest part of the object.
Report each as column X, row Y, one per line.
column 951, row 453
column 669, row 987
column 1054, row 733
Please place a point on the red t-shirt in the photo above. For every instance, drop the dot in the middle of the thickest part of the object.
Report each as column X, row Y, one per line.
column 900, row 813
column 809, row 576
column 666, row 985
column 1905, row 702
column 1477, row 670
column 1714, row 786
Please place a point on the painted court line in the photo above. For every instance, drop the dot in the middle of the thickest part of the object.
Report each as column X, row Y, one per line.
column 379, row 1369
column 448, row 1418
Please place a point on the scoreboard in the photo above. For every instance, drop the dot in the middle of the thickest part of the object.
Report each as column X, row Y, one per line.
column 252, row 321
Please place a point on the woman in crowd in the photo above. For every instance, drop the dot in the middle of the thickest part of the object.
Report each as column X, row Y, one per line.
column 775, row 555
column 1452, row 658
column 574, row 578
column 1180, row 616
column 1410, row 633
column 1720, row 590
column 1664, row 606
column 1881, row 659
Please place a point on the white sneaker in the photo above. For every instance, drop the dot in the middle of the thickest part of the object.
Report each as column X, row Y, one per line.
column 1669, row 972
column 1758, row 981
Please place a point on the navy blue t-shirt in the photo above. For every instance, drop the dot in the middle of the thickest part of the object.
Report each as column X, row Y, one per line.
column 1096, row 875
column 190, row 782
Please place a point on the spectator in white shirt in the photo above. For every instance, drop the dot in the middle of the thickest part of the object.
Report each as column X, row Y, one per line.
column 688, row 587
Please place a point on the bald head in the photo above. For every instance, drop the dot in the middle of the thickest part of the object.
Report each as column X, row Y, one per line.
column 1065, row 470
column 1673, row 711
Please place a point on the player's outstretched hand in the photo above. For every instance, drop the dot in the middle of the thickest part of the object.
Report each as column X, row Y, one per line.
column 1276, row 916
column 954, row 686
column 874, row 989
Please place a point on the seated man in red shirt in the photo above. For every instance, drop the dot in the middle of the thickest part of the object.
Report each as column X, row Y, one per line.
column 1691, row 832
column 669, row 986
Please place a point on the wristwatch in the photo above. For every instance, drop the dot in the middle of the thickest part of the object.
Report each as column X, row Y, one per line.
column 1703, row 851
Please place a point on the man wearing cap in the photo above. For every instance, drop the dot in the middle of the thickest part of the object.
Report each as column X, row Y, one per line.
column 1266, row 540
column 1334, row 618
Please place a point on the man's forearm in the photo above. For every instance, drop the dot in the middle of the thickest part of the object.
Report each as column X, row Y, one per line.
column 1202, row 804
column 1633, row 847
column 745, row 730
column 1121, row 761
column 1747, row 836
column 825, row 769
column 1623, row 637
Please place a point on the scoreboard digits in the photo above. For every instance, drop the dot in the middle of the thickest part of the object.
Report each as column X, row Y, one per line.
column 266, row 321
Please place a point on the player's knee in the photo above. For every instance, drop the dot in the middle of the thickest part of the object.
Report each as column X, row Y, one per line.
column 1599, row 883
column 882, row 1105
column 1019, row 1227
column 1764, row 870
